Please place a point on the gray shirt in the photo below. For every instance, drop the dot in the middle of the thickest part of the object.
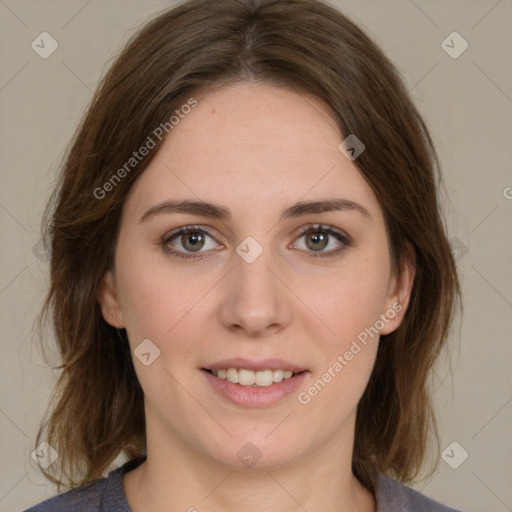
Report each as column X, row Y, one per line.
column 107, row 495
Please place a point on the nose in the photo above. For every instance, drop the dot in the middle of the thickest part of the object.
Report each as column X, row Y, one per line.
column 254, row 300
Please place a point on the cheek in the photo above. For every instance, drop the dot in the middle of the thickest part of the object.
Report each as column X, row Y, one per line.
column 169, row 305
column 351, row 298
column 159, row 304
column 147, row 300
column 350, row 306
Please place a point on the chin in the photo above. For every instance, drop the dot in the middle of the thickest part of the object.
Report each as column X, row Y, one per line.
column 255, row 452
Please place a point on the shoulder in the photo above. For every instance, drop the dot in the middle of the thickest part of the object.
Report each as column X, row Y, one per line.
column 106, row 494
column 87, row 498
column 393, row 496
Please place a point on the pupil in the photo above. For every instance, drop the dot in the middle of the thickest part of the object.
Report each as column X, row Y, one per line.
column 318, row 237
column 194, row 238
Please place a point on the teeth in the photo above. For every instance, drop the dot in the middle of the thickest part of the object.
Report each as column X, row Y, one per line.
column 262, row 378
column 246, row 377
column 232, row 375
column 277, row 375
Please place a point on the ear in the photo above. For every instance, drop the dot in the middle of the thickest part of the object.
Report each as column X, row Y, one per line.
column 399, row 292
column 107, row 299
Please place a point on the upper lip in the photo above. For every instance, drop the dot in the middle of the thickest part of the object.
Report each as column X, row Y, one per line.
column 262, row 364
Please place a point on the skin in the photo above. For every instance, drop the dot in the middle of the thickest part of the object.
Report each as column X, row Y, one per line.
column 255, row 149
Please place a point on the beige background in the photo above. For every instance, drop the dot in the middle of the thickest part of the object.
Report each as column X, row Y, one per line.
column 467, row 103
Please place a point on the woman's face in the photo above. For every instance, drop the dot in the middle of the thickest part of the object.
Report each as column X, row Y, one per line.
column 255, row 284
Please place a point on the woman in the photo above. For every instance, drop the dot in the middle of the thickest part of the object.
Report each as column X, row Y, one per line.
column 250, row 277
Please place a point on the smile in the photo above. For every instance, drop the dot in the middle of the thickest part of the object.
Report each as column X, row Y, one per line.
column 244, row 377
column 253, row 389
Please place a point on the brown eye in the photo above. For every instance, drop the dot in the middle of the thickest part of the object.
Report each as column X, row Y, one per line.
column 317, row 240
column 193, row 240
column 188, row 240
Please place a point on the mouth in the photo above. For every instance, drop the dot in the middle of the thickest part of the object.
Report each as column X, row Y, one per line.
column 249, row 378
column 254, row 384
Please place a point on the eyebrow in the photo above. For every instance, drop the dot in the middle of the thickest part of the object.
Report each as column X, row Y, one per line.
column 205, row 209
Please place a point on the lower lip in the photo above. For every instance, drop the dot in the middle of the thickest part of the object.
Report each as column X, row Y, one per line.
column 258, row 396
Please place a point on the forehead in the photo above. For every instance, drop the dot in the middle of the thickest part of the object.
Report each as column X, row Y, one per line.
column 253, row 144
column 260, row 120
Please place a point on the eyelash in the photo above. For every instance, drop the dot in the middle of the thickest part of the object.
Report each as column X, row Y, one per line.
column 339, row 235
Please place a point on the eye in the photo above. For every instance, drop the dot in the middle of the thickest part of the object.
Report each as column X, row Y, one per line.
column 193, row 242
column 319, row 237
column 188, row 240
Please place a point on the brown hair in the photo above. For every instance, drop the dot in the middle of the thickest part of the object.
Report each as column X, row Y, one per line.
column 300, row 44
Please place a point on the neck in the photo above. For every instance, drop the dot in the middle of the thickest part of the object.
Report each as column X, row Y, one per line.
column 178, row 478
